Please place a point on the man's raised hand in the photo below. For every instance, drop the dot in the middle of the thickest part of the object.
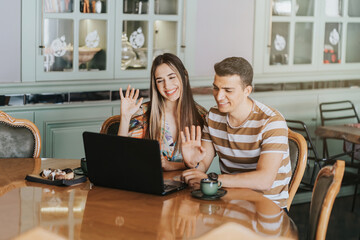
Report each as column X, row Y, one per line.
column 191, row 148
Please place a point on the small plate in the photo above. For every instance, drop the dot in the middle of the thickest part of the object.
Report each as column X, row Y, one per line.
column 37, row 178
column 216, row 196
column 79, row 171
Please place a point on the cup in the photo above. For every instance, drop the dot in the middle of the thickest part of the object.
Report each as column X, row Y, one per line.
column 209, row 187
column 84, row 165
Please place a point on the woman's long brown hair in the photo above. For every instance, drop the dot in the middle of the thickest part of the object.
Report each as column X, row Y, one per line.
column 187, row 112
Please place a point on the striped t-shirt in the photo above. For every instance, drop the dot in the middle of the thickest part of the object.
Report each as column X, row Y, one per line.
column 239, row 148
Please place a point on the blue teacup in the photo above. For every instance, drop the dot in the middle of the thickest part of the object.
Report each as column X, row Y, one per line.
column 209, row 187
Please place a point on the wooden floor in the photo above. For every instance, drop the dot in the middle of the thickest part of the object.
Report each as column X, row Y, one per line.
column 343, row 223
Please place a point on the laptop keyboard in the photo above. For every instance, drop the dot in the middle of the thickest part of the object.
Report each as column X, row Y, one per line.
column 167, row 187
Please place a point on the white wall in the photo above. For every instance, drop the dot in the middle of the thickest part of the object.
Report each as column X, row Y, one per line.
column 224, row 28
column 10, row 37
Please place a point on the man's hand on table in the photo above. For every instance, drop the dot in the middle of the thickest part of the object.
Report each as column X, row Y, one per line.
column 193, row 177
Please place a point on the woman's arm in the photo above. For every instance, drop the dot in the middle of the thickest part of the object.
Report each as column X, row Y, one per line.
column 129, row 105
column 172, row 166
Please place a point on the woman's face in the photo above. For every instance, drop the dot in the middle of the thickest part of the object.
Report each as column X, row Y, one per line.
column 168, row 83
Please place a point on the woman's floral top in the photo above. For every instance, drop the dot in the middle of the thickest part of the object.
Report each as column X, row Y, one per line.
column 139, row 124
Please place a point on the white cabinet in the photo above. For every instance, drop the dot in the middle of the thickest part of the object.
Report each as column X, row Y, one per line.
column 97, row 39
column 307, row 40
column 10, row 26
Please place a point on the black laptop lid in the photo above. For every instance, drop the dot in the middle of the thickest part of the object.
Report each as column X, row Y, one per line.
column 123, row 162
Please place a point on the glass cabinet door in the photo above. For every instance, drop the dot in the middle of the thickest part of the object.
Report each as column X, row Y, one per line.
column 58, row 39
column 342, row 32
column 352, row 52
column 146, row 29
column 74, row 39
column 166, row 7
column 332, row 43
column 92, row 45
column 291, row 34
column 134, row 39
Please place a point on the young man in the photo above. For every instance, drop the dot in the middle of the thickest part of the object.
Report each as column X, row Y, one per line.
column 249, row 137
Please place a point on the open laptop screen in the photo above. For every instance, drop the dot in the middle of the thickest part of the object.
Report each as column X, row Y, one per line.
column 124, row 162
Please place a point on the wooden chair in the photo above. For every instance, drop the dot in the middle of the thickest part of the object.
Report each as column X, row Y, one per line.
column 350, row 177
column 19, row 138
column 111, row 125
column 298, row 158
column 326, row 188
column 309, row 176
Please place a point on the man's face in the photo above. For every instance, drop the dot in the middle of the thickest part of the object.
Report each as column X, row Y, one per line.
column 229, row 93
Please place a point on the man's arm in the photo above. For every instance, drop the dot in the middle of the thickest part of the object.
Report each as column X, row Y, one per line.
column 260, row 179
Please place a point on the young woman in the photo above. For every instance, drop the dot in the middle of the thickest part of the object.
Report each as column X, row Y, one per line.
column 171, row 108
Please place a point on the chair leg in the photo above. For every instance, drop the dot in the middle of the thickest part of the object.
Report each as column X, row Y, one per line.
column 352, row 153
column 354, row 198
column 325, row 149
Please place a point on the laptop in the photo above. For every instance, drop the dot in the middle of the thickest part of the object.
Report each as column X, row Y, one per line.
column 126, row 163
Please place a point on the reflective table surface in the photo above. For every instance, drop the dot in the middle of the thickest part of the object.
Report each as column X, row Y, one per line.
column 91, row 212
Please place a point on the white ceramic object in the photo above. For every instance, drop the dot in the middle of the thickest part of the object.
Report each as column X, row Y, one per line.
column 282, row 7
column 332, row 8
column 137, row 38
column 98, row 6
column 334, row 37
column 279, row 42
column 58, row 46
column 92, row 39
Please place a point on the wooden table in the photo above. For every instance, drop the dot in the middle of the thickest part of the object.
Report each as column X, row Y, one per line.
column 345, row 132
column 30, row 209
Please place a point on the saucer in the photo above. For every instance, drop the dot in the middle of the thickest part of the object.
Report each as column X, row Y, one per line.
column 216, row 196
column 79, row 171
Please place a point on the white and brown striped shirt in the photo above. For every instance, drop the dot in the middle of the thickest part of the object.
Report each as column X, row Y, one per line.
column 239, row 148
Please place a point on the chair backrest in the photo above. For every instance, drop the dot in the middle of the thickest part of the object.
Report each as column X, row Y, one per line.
column 298, row 158
column 326, row 188
column 300, row 127
column 111, row 125
column 334, row 111
column 19, row 138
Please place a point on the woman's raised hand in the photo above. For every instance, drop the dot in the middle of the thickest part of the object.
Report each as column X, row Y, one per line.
column 191, row 148
column 129, row 104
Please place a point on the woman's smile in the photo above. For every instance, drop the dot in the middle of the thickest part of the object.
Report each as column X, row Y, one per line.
column 171, row 92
